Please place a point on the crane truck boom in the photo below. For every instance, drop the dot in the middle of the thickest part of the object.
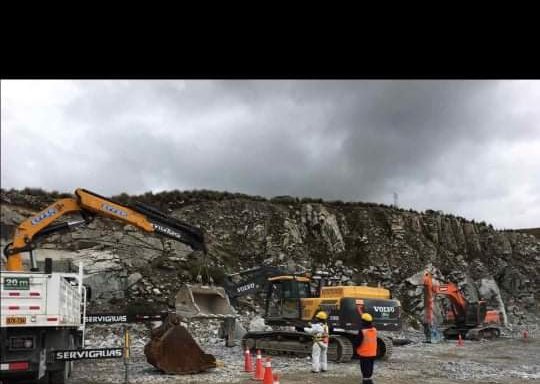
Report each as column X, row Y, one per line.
column 90, row 204
column 41, row 312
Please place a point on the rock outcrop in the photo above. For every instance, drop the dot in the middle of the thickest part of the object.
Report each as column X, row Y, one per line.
column 356, row 242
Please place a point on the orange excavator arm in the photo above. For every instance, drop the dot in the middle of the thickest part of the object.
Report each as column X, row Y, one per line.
column 89, row 204
column 450, row 290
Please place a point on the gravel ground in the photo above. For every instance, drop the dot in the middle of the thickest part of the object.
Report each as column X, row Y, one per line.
column 507, row 360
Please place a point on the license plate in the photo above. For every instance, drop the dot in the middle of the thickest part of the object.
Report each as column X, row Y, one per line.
column 16, row 320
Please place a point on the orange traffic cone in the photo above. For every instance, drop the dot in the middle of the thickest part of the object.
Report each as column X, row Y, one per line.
column 460, row 342
column 268, row 376
column 259, row 369
column 276, row 378
column 248, row 365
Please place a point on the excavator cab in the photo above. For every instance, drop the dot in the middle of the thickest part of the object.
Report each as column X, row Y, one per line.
column 283, row 298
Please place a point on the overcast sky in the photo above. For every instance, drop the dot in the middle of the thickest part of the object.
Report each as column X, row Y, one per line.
column 470, row 148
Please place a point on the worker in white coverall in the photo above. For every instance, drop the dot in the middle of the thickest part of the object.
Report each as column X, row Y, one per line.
column 319, row 330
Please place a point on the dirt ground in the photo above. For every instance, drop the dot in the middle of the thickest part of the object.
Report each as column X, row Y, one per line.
column 506, row 360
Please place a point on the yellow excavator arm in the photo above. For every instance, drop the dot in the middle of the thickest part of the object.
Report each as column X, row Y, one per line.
column 89, row 204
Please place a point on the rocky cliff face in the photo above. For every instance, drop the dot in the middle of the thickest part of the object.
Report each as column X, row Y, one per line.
column 356, row 242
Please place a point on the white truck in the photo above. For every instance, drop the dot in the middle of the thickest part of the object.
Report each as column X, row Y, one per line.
column 41, row 312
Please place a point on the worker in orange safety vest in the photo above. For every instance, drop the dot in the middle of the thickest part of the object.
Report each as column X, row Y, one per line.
column 367, row 347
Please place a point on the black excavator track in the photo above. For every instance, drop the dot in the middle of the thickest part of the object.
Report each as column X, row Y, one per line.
column 340, row 349
column 385, row 347
column 296, row 344
column 480, row 333
column 477, row 333
column 299, row 344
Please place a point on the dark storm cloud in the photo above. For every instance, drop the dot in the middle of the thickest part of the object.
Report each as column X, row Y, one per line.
column 467, row 147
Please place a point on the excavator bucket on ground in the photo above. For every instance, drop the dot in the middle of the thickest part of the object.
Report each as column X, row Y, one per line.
column 203, row 301
column 173, row 350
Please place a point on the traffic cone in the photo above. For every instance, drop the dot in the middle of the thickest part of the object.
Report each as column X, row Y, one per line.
column 460, row 342
column 268, row 376
column 276, row 378
column 259, row 369
column 248, row 364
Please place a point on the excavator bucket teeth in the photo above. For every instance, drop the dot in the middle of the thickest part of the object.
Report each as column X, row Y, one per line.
column 202, row 301
column 173, row 350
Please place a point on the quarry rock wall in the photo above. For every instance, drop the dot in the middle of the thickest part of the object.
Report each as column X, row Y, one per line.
column 355, row 242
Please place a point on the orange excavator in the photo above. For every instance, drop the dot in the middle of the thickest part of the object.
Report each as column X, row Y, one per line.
column 185, row 357
column 470, row 320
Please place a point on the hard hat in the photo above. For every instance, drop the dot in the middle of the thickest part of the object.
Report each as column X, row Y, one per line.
column 321, row 315
column 367, row 317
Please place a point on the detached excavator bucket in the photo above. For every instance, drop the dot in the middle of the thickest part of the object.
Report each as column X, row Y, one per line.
column 202, row 301
column 173, row 350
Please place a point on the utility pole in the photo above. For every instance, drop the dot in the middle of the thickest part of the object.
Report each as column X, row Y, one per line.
column 127, row 347
column 395, row 200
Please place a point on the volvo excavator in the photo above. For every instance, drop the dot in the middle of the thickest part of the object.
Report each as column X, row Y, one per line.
column 292, row 300
column 30, row 330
